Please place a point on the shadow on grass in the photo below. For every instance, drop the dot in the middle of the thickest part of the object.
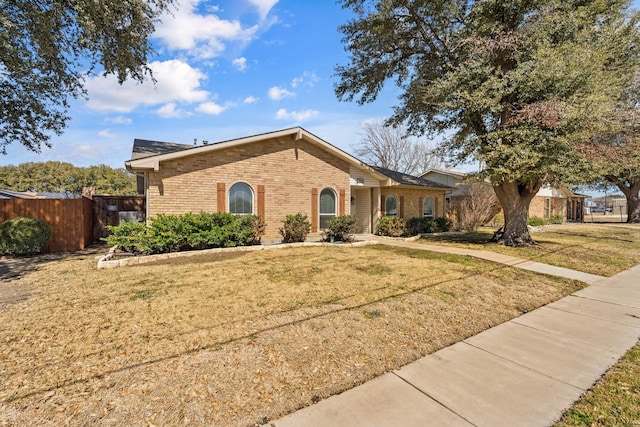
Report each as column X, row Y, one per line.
column 482, row 269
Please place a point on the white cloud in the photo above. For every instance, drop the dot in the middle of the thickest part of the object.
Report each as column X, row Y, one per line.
column 106, row 133
column 169, row 111
column 307, row 78
column 277, row 93
column 211, row 108
column 240, row 63
column 203, row 36
column 263, row 6
column 298, row 116
column 250, row 100
column 119, row 120
column 177, row 81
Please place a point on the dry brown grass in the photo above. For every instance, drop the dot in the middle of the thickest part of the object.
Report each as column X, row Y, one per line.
column 238, row 339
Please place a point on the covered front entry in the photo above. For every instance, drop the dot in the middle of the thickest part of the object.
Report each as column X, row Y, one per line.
column 364, row 205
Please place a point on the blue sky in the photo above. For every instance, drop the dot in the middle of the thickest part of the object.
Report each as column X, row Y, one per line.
column 224, row 69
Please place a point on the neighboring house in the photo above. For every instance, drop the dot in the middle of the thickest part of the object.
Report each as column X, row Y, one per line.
column 548, row 202
column 276, row 174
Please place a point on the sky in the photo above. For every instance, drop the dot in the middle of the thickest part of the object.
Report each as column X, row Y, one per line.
column 225, row 69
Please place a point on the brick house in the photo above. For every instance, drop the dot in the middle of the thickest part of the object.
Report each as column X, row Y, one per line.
column 549, row 201
column 276, row 174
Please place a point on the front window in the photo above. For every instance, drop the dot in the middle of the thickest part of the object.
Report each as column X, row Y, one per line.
column 327, row 207
column 427, row 208
column 240, row 199
column 391, row 206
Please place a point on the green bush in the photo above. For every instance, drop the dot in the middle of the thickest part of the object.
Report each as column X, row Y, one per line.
column 132, row 237
column 420, row 225
column 556, row 219
column 443, row 224
column 342, row 228
column 391, row 226
column 295, row 228
column 535, row 221
column 171, row 233
column 24, row 236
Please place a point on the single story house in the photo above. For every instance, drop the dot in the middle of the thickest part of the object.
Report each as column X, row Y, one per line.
column 548, row 202
column 276, row 174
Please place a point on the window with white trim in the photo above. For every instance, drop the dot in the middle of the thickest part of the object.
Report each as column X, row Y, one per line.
column 240, row 199
column 327, row 207
column 427, row 207
column 391, row 206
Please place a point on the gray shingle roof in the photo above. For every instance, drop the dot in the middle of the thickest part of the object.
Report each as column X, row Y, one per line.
column 406, row 179
column 146, row 148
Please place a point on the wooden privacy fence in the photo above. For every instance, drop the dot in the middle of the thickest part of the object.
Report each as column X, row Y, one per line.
column 75, row 223
column 70, row 220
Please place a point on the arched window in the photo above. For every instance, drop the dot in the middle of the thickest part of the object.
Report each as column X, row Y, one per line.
column 240, row 199
column 391, row 206
column 427, row 207
column 327, row 207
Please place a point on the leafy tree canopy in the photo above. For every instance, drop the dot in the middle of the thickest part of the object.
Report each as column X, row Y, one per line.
column 60, row 177
column 515, row 81
column 47, row 47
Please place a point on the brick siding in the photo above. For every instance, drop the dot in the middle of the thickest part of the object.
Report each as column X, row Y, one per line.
column 286, row 170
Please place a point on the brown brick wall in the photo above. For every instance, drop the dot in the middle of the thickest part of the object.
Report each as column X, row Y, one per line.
column 413, row 201
column 288, row 171
column 538, row 207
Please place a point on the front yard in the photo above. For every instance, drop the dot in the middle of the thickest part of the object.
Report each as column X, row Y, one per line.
column 597, row 249
column 237, row 339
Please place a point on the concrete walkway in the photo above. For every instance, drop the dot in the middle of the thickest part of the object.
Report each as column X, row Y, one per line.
column 524, row 372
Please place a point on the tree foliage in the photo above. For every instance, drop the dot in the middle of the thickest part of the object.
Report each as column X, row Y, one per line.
column 392, row 148
column 61, row 177
column 512, row 81
column 47, row 48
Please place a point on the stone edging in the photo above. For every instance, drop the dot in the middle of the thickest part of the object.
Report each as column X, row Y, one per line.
column 107, row 261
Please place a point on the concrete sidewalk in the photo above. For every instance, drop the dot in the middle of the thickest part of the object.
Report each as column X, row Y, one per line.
column 524, row 372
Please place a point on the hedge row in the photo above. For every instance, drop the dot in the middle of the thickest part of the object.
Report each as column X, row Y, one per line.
column 398, row 227
column 172, row 233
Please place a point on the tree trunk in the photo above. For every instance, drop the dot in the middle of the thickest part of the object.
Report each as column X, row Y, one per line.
column 633, row 201
column 515, row 198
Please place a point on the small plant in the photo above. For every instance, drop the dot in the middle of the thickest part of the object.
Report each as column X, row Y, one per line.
column 443, row 224
column 295, row 228
column 24, row 236
column 342, row 228
column 391, row 226
column 420, row 225
column 556, row 219
column 535, row 221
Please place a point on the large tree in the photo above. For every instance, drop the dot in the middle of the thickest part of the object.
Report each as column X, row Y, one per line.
column 612, row 149
column 47, row 47
column 511, row 80
column 392, row 148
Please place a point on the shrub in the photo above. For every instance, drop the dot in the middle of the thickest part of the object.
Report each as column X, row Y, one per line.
column 535, row 221
column 391, row 226
column 498, row 220
column 556, row 219
column 24, row 236
column 132, row 237
column 420, row 226
column 170, row 233
column 342, row 228
column 443, row 224
column 295, row 228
